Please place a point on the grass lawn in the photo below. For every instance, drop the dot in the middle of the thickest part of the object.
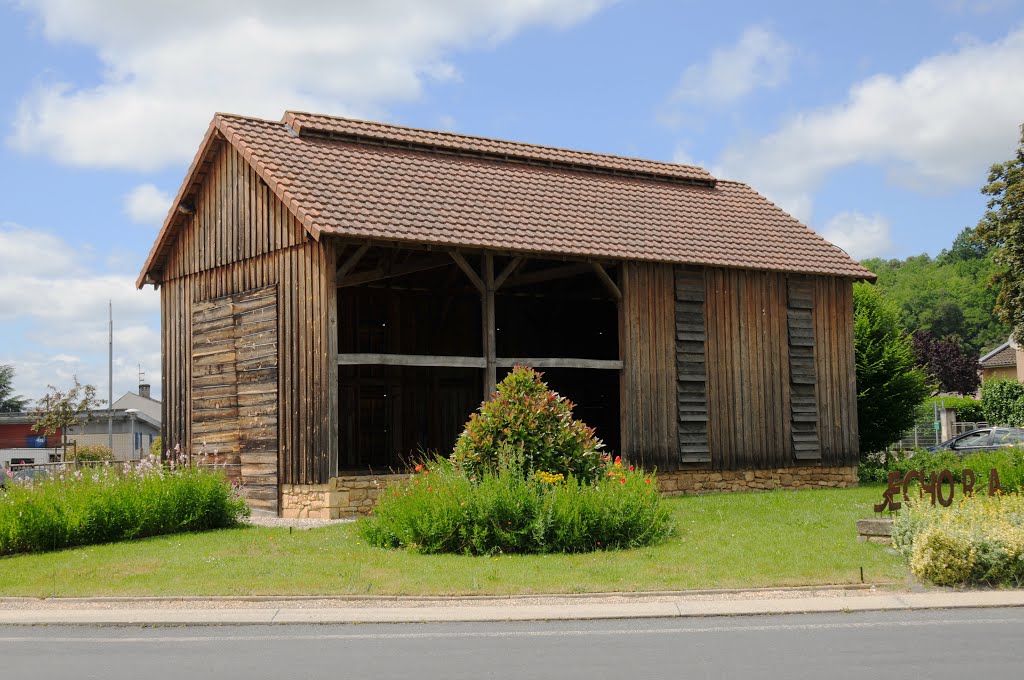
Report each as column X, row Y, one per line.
column 780, row 538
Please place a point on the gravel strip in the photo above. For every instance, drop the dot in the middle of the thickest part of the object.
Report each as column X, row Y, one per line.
column 273, row 521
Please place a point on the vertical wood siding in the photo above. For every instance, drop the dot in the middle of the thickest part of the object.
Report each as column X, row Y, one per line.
column 241, row 238
column 648, row 401
column 780, row 370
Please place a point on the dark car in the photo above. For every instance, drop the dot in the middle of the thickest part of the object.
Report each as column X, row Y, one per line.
column 982, row 439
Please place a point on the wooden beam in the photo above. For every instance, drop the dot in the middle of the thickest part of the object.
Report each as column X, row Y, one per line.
column 549, row 274
column 490, row 341
column 507, row 271
column 388, row 272
column 465, row 267
column 560, row 362
column 351, row 262
column 607, row 281
column 371, row 359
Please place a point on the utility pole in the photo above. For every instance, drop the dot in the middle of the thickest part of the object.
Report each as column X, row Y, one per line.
column 110, row 379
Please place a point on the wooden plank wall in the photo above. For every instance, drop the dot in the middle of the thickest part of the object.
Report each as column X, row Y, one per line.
column 241, row 238
column 748, row 376
column 648, row 401
column 836, row 370
column 781, row 387
column 234, row 389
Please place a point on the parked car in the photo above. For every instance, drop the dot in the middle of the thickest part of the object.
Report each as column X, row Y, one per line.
column 982, row 439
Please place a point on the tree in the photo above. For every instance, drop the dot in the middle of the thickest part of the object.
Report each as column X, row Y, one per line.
column 59, row 410
column 890, row 386
column 1002, row 228
column 951, row 366
column 9, row 402
column 966, row 247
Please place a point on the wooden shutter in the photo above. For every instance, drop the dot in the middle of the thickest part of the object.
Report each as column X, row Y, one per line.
column 802, row 370
column 234, row 390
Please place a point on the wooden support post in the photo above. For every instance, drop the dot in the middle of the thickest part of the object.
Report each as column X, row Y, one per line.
column 507, row 271
column 607, row 281
column 490, row 349
column 351, row 262
column 468, row 270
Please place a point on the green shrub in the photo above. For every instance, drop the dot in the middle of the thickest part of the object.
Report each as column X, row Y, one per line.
column 441, row 510
column 90, row 454
column 528, row 422
column 156, row 449
column 979, row 540
column 1003, row 402
column 99, row 505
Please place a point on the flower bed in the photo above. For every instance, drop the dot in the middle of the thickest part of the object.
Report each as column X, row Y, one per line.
column 71, row 507
column 979, row 540
column 442, row 510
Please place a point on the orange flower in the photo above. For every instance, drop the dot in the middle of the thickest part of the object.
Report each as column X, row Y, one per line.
column 647, row 481
column 419, row 468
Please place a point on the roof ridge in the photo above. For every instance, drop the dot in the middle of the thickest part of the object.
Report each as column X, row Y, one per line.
column 317, row 124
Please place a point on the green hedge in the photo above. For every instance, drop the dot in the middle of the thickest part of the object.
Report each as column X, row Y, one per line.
column 101, row 505
column 967, row 408
column 1003, row 402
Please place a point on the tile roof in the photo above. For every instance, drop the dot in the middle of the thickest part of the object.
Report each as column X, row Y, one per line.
column 1004, row 355
column 371, row 180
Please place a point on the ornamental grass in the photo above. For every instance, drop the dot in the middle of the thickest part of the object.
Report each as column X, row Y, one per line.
column 977, row 541
column 82, row 506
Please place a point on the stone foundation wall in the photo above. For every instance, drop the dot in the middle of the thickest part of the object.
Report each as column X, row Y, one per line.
column 355, row 495
column 346, row 496
column 681, row 482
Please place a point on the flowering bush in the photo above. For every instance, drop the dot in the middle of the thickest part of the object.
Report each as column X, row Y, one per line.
column 82, row 506
column 528, row 422
column 979, row 540
column 443, row 510
column 90, row 453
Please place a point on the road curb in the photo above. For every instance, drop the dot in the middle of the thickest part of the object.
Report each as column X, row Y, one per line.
column 453, row 613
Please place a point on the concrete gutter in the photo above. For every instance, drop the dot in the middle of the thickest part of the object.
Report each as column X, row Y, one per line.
column 278, row 611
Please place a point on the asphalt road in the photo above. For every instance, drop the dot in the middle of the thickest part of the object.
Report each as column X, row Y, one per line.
column 962, row 644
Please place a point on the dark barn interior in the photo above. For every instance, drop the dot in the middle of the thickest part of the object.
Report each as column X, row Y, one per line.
column 411, row 348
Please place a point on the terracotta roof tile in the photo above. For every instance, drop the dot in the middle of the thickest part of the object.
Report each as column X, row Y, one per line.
column 367, row 187
column 1004, row 356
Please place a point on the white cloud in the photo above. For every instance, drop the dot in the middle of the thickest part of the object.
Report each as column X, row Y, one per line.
column 55, row 316
column 145, row 204
column 759, row 59
column 938, row 126
column 170, row 65
column 861, row 236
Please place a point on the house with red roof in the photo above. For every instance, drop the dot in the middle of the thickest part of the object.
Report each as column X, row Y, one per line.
column 337, row 296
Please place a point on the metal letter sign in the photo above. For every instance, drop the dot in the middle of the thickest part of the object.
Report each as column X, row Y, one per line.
column 935, row 484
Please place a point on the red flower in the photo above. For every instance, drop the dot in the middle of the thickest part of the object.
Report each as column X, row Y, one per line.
column 419, row 468
column 630, row 468
column 618, row 459
column 622, row 481
column 647, row 481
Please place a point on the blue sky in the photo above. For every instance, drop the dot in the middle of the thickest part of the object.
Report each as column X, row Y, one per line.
column 872, row 122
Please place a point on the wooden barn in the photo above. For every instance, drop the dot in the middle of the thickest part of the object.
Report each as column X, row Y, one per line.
column 337, row 295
